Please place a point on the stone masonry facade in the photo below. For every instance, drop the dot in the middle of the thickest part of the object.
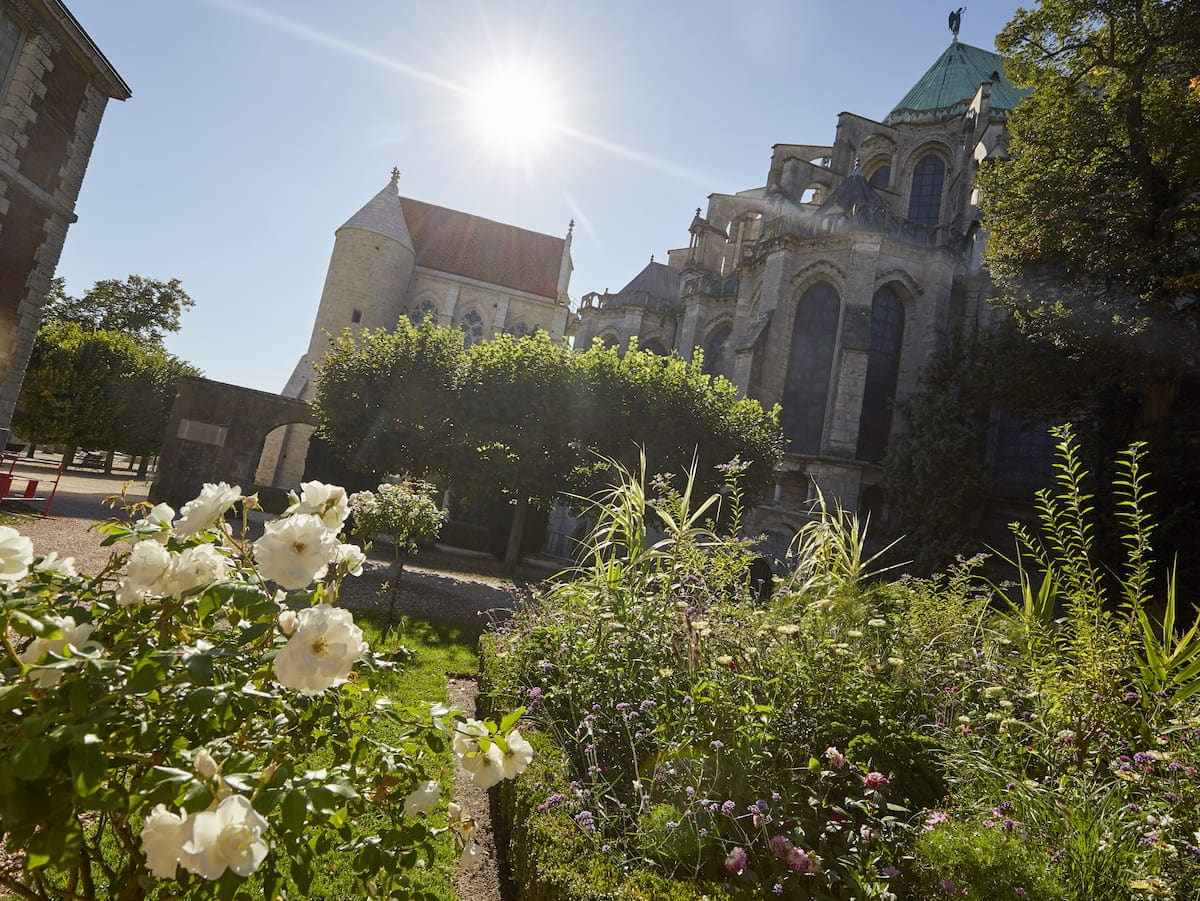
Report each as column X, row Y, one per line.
column 54, row 86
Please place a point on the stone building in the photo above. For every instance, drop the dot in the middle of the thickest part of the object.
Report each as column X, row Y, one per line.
column 399, row 257
column 54, row 86
column 828, row 288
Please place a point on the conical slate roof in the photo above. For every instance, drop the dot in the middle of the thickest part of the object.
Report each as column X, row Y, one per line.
column 951, row 82
column 383, row 215
column 854, row 193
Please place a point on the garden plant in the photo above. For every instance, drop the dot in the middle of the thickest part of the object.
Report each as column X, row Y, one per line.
column 198, row 718
column 948, row 737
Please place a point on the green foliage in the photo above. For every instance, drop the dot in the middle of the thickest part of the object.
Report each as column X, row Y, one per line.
column 388, row 401
column 676, row 413
column 1093, row 220
column 97, row 389
column 966, row 860
column 143, row 308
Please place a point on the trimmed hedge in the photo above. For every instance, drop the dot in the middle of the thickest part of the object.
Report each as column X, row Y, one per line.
column 550, row 857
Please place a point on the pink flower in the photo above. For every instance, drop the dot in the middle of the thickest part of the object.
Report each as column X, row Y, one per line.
column 875, row 780
column 780, row 846
column 735, row 863
column 836, row 758
column 936, row 818
column 797, row 860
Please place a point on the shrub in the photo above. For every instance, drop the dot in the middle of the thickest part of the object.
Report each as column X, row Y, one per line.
column 176, row 713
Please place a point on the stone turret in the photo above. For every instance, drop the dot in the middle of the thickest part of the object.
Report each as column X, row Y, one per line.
column 368, row 278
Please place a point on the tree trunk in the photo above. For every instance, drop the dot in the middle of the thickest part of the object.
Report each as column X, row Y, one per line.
column 69, row 457
column 512, row 556
column 143, row 466
column 32, row 450
column 108, row 462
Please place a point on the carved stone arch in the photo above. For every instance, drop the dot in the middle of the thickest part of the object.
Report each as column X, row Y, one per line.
column 911, row 288
column 875, row 165
column 609, row 339
column 925, row 175
column 718, row 333
column 932, row 145
column 819, row 271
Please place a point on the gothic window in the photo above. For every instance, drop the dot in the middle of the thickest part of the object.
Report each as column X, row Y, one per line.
column 610, row 340
column 356, row 316
column 810, row 360
column 881, row 177
column 883, row 369
column 472, row 326
column 655, row 347
column 10, row 45
column 925, row 199
column 520, row 329
column 421, row 312
column 714, row 349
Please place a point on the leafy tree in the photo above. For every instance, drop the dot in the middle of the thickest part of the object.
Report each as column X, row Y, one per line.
column 676, row 412
column 1095, row 219
column 96, row 389
column 387, row 401
column 518, row 426
column 144, row 308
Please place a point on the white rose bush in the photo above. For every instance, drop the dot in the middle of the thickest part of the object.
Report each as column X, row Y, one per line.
column 199, row 719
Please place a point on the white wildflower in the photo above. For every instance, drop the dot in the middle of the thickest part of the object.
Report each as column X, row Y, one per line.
column 227, row 838
column 321, row 652
column 295, row 551
column 16, row 555
column 328, row 502
column 207, row 509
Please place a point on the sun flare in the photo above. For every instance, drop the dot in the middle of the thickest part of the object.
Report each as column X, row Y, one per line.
column 516, row 109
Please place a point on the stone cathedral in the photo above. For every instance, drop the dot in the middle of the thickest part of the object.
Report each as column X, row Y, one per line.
column 828, row 288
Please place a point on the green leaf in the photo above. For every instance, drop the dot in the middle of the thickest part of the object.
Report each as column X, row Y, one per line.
column 89, row 766
column 511, row 719
column 293, row 810
column 199, row 668
column 29, row 759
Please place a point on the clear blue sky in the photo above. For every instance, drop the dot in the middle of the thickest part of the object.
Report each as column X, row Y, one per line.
column 257, row 127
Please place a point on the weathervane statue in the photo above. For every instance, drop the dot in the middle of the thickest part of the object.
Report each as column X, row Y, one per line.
column 956, row 21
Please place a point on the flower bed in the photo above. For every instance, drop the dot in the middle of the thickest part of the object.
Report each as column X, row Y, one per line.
column 852, row 738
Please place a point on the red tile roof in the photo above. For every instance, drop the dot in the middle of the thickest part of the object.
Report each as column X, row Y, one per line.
column 478, row 248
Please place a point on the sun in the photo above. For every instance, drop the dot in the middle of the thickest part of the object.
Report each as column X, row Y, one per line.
column 515, row 109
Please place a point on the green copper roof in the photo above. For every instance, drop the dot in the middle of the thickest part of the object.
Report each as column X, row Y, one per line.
column 951, row 82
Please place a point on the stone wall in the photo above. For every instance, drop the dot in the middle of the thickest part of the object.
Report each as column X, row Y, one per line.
column 216, row 434
column 50, row 112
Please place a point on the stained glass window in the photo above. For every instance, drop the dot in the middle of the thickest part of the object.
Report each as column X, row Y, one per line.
column 925, row 199
column 883, row 369
column 810, row 359
column 472, row 326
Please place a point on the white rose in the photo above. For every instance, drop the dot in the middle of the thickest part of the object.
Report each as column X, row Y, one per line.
column 295, row 551
column 423, row 797
column 205, row 766
column 329, row 502
column 204, row 512
column 486, row 767
column 229, row 837
column 148, row 563
column 129, row 595
column 162, row 841
column 157, row 523
column 288, row 620
column 52, row 563
column 70, row 636
column 518, row 756
column 321, row 652
column 467, row 735
column 350, row 559
column 196, row 567
column 16, row 555
column 472, row 852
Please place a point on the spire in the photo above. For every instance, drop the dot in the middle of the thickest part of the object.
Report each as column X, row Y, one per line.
column 383, row 214
column 570, row 228
column 956, row 22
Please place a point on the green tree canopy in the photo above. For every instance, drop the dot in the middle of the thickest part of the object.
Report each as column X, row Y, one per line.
column 527, row 417
column 677, row 412
column 387, row 402
column 1095, row 220
column 97, row 389
column 144, row 308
